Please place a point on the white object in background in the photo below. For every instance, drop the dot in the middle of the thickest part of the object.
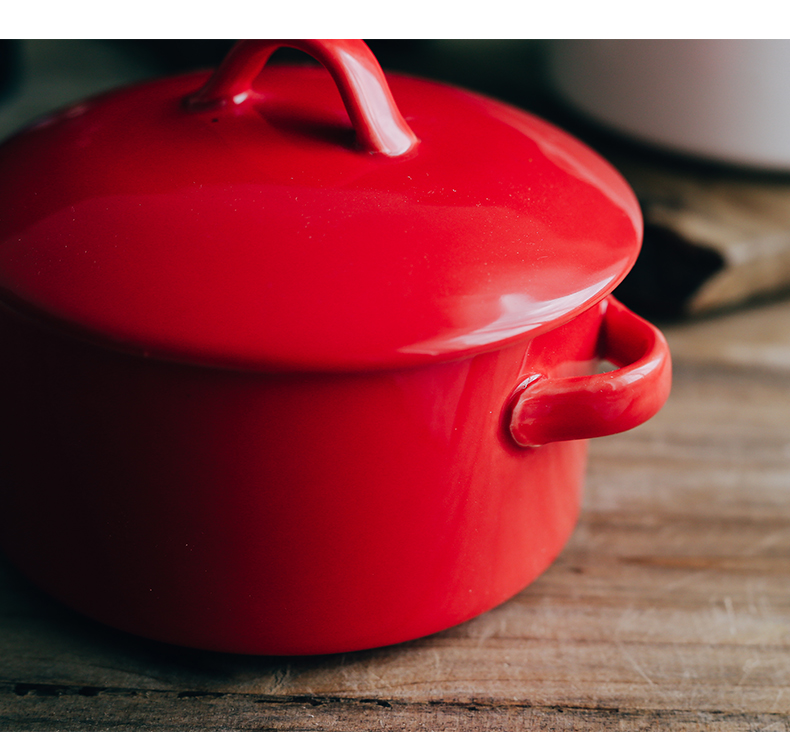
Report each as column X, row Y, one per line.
column 726, row 100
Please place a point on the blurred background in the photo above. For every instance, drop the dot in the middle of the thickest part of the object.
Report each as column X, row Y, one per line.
column 37, row 75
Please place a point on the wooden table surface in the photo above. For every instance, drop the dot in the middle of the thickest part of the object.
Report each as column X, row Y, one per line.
column 668, row 610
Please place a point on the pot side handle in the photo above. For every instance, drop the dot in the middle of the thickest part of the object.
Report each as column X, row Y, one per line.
column 378, row 123
column 574, row 408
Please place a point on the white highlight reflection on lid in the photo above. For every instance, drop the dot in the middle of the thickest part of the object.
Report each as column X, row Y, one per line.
column 519, row 313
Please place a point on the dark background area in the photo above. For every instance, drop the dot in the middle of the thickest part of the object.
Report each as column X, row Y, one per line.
column 503, row 68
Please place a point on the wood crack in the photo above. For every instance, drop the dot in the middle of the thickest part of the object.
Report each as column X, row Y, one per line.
column 23, row 689
column 48, row 706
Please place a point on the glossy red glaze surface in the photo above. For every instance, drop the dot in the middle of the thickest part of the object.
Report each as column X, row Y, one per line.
column 321, row 447
column 261, row 235
column 271, row 513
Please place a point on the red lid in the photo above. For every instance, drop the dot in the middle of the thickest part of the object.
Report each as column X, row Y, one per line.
column 262, row 229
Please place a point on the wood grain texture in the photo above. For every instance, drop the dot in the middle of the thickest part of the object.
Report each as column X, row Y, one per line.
column 742, row 219
column 668, row 610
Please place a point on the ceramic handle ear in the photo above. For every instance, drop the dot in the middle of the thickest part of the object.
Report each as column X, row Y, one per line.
column 379, row 126
column 573, row 408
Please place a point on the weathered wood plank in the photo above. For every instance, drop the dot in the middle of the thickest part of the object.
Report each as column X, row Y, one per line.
column 53, row 707
column 730, row 228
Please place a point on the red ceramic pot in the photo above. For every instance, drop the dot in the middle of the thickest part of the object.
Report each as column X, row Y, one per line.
column 288, row 371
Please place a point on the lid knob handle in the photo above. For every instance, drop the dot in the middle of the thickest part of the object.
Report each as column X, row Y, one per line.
column 379, row 126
